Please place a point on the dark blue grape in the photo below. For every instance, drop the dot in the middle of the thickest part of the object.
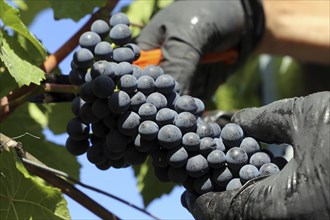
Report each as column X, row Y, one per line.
column 222, row 176
column 120, row 163
column 86, row 114
column 153, row 71
column 165, row 84
column 147, row 111
column 269, row 169
column 191, row 141
column 76, row 147
column 171, row 99
column 203, row 185
column 216, row 129
column 104, row 166
column 200, row 107
column 77, row 76
column 77, row 130
column 86, row 92
column 76, row 104
column 89, row 40
column 177, row 87
column 95, row 154
column 165, row 116
column 148, row 130
column 169, row 136
column 144, row 145
column 113, row 155
column 88, row 76
column 186, row 122
column 250, row 145
column 119, row 18
column 197, row 166
column 177, row 157
column 103, row 86
column 159, row 157
column 157, row 99
column 120, row 34
column 123, row 68
column 128, row 123
column 134, row 157
column 146, row 84
column 101, row 28
column 204, row 130
column 248, row 172
column 123, row 54
column 83, row 58
column 100, row 129
column 259, row 158
column 185, row 103
column 102, row 67
column 137, row 71
column 232, row 135
column 128, row 83
column 206, row 146
column 279, row 161
column 216, row 159
column 234, row 184
column 219, row 144
column 103, row 51
column 236, row 157
column 116, row 142
column 119, row 102
column 136, row 50
column 100, row 108
column 111, row 121
column 177, row 175
column 137, row 100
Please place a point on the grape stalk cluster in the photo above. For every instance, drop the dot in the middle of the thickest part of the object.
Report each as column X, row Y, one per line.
column 125, row 114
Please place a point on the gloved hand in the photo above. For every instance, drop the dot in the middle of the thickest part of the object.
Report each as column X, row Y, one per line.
column 301, row 189
column 185, row 30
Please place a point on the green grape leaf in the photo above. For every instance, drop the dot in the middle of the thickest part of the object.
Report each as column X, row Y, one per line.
column 27, row 197
column 23, row 71
column 11, row 18
column 58, row 116
column 140, row 12
column 32, row 119
column 74, row 9
column 31, row 10
column 7, row 82
column 147, row 180
column 241, row 88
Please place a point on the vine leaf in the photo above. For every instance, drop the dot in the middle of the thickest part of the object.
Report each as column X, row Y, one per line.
column 147, row 180
column 74, row 9
column 23, row 71
column 27, row 197
column 33, row 118
column 11, row 18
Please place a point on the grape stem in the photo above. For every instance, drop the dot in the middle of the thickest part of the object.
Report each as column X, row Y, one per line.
column 20, row 95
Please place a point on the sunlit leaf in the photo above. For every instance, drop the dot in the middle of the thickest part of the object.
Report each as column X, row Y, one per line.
column 24, row 196
column 149, row 186
column 74, row 9
column 11, row 18
column 23, row 71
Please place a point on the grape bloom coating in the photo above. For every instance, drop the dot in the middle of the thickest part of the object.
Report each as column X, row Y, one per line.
column 124, row 114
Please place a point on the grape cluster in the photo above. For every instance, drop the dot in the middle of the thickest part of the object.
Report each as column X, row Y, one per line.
column 124, row 113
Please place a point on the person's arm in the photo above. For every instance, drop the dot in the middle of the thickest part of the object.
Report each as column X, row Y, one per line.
column 299, row 28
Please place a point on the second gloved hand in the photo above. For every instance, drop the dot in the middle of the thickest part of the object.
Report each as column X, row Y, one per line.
column 185, row 30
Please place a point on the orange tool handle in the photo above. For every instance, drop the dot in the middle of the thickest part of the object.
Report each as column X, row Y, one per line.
column 153, row 57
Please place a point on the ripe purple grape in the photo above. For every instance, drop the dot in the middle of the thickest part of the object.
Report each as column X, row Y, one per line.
column 177, row 157
column 77, row 130
column 89, row 40
column 191, row 141
column 119, row 18
column 269, row 169
column 157, row 99
column 103, row 86
column 169, row 136
column 185, row 103
column 101, row 28
column 103, row 51
column 232, row 135
column 259, row 158
column 147, row 111
column 197, row 166
column 119, row 102
column 120, row 34
column 216, row 159
column 148, row 130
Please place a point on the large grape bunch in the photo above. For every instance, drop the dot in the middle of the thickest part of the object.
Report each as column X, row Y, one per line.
column 125, row 114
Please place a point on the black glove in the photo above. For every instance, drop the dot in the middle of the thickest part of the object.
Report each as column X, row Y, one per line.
column 301, row 189
column 185, row 30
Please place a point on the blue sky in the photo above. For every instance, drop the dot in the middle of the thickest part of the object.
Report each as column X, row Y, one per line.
column 120, row 182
